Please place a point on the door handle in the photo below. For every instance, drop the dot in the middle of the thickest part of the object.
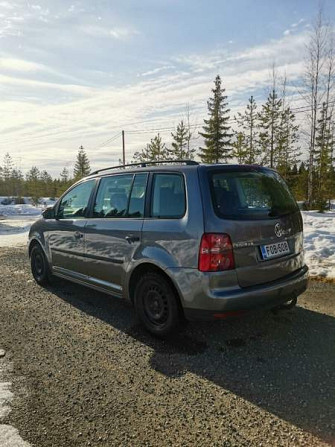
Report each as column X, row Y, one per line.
column 131, row 239
column 78, row 235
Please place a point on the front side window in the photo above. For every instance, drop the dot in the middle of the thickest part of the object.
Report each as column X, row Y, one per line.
column 168, row 200
column 113, row 196
column 74, row 204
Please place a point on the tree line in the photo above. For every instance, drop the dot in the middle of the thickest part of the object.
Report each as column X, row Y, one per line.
column 37, row 183
column 266, row 134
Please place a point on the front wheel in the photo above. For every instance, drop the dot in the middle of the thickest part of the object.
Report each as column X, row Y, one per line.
column 39, row 266
column 156, row 304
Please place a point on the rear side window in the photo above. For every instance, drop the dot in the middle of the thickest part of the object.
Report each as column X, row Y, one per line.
column 121, row 196
column 137, row 196
column 113, row 195
column 250, row 195
column 168, row 199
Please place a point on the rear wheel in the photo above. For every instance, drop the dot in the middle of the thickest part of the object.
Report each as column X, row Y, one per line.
column 156, row 304
column 39, row 266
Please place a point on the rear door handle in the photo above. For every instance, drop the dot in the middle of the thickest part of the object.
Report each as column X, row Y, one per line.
column 131, row 239
column 78, row 235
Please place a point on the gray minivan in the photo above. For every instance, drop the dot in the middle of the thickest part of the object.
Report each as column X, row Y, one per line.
column 177, row 239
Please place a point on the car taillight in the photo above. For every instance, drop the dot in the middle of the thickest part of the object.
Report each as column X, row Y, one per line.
column 216, row 253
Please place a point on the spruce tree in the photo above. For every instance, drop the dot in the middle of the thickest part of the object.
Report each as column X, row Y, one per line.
column 154, row 151
column 269, row 127
column 82, row 165
column 247, row 123
column 180, row 145
column 216, row 130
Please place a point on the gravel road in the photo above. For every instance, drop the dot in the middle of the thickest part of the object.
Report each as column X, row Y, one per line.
column 86, row 374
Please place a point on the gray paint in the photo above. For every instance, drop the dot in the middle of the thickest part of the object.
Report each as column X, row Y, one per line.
column 110, row 250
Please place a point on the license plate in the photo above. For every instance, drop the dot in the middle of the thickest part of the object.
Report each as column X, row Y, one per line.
column 275, row 250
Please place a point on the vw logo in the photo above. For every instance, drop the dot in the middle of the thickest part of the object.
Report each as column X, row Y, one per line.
column 278, row 230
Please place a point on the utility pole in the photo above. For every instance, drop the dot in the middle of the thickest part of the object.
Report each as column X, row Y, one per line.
column 123, row 149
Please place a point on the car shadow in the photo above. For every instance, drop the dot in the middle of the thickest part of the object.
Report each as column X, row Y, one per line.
column 283, row 363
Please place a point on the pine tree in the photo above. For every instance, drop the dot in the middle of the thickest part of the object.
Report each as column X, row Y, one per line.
column 180, row 145
column 301, row 184
column 82, row 165
column 240, row 150
column 63, row 182
column 247, row 123
column 323, row 159
column 287, row 136
column 154, row 151
column 65, row 175
column 216, row 130
column 7, row 174
column 269, row 126
column 17, row 185
column 33, row 184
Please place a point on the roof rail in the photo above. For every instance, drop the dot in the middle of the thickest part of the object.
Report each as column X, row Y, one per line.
column 144, row 164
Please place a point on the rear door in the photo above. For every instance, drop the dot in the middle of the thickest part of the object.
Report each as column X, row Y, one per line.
column 113, row 232
column 255, row 207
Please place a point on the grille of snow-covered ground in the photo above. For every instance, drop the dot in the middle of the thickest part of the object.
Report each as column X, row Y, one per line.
column 9, row 436
column 319, row 234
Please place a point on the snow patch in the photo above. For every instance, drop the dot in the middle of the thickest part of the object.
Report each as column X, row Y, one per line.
column 9, row 436
column 319, row 243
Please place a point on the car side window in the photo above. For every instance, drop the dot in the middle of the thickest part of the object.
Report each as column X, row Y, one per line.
column 113, row 196
column 168, row 199
column 74, row 204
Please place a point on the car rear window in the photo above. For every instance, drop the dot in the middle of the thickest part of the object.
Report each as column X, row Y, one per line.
column 250, row 195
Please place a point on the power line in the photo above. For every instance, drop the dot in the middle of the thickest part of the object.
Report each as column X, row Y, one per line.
column 302, row 109
column 110, row 140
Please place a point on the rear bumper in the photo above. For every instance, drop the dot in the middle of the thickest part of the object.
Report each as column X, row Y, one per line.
column 209, row 304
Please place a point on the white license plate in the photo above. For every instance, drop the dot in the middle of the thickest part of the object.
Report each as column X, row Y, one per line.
column 275, row 250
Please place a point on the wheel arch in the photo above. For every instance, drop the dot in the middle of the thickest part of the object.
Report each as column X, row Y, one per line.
column 32, row 243
column 145, row 267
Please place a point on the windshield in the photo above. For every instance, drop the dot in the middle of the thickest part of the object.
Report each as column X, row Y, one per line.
column 250, row 195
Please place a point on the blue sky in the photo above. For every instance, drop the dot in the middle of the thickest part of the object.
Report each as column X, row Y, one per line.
column 79, row 72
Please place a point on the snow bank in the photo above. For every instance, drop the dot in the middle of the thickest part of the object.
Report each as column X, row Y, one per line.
column 319, row 243
column 9, row 436
column 15, row 221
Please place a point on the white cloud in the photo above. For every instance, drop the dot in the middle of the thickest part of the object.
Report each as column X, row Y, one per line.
column 119, row 33
column 45, row 132
column 287, row 32
column 294, row 25
column 7, row 5
column 157, row 70
column 19, row 65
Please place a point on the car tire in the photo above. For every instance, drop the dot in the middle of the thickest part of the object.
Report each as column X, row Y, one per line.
column 156, row 304
column 40, row 266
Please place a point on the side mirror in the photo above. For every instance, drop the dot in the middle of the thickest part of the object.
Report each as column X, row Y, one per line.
column 49, row 213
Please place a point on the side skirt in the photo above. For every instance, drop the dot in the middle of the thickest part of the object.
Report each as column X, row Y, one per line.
column 92, row 283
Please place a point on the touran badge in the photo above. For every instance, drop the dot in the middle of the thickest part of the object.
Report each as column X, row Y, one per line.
column 278, row 230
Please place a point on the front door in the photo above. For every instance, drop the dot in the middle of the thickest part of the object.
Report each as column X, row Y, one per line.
column 113, row 232
column 66, row 240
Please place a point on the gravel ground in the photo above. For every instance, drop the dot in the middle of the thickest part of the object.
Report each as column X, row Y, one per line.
column 86, row 374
